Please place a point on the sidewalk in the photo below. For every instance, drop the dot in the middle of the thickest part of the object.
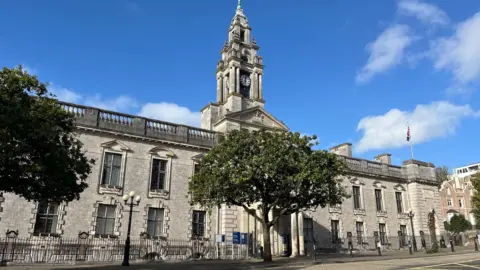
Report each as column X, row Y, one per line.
column 285, row 263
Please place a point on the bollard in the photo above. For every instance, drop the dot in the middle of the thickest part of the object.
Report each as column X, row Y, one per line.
column 410, row 247
column 314, row 252
column 351, row 249
column 379, row 249
column 476, row 242
column 451, row 245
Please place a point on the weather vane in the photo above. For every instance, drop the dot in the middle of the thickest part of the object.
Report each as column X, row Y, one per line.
column 239, row 6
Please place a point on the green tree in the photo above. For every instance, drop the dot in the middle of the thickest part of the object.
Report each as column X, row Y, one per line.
column 458, row 224
column 475, row 179
column 441, row 173
column 275, row 172
column 40, row 158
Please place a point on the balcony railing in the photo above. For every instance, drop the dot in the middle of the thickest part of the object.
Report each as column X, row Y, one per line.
column 136, row 125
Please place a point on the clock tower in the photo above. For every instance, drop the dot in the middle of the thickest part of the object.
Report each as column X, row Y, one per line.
column 239, row 77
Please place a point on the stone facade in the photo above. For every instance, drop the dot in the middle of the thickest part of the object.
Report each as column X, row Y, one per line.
column 456, row 198
column 134, row 148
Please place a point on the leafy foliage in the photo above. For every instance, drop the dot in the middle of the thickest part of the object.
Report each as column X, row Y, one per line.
column 278, row 172
column 40, row 158
column 458, row 224
column 441, row 174
column 475, row 179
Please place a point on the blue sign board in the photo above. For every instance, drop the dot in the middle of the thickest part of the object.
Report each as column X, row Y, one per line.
column 236, row 238
column 244, row 238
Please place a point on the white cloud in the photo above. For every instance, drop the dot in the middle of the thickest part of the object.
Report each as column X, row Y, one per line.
column 424, row 12
column 121, row 103
column 386, row 51
column 64, row 94
column 171, row 112
column 427, row 122
column 460, row 53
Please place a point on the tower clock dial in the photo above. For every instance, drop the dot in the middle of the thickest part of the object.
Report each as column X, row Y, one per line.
column 245, row 80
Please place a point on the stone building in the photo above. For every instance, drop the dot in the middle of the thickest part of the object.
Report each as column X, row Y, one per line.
column 457, row 192
column 156, row 159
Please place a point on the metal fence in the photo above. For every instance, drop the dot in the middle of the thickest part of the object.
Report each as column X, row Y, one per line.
column 369, row 243
column 90, row 249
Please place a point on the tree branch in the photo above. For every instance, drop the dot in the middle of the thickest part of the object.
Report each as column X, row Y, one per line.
column 252, row 212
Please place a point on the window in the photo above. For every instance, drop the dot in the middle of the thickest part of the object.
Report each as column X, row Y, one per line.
column 112, row 164
column 155, row 222
column 198, row 224
column 335, row 224
column 378, row 199
column 382, row 233
column 449, row 202
column 460, row 203
column 308, row 229
column 242, row 35
column 403, row 236
column 398, row 197
column 159, row 170
column 356, row 198
column 105, row 219
column 47, row 217
column 359, row 228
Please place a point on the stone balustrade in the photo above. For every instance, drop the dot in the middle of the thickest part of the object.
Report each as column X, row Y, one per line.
column 373, row 167
column 136, row 125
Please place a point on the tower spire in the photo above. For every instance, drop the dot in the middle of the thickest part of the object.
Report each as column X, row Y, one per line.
column 239, row 5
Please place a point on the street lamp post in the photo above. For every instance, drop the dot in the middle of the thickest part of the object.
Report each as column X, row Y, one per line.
column 129, row 200
column 414, row 242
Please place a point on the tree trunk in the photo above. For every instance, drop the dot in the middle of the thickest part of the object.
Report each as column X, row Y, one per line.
column 267, row 247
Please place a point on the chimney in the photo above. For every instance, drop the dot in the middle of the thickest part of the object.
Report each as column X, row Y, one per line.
column 384, row 158
column 344, row 149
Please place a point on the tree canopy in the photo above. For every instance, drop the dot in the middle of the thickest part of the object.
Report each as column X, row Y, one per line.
column 458, row 224
column 277, row 172
column 475, row 179
column 40, row 158
column 441, row 174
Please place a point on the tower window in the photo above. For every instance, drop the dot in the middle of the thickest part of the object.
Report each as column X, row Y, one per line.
column 242, row 35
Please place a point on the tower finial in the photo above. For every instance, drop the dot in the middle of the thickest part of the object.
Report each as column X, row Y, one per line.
column 239, row 5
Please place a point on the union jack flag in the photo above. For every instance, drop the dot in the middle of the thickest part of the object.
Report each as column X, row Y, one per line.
column 408, row 134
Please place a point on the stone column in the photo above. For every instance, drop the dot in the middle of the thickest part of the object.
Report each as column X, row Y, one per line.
column 294, row 239
column 224, row 88
column 219, row 89
column 232, row 80
column 254, row 85
column 260, row 87
column 300, row 234
column 237, row 80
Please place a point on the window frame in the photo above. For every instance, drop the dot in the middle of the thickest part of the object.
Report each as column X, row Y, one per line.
column 360, row 237
column 120, row 181
column 196, row 224
column 382, row 235
column 105, row 218
column 378, row 199
column 155, row 221
column 165, row 174
column 335, row 230
column 54, row 218
column 165, row 155
column 399, row 201
column 357, row 196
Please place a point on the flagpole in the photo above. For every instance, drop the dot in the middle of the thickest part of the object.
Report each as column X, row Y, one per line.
column 409, row 138
column 411, row 148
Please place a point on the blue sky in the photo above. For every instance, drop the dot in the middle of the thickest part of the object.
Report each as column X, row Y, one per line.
column 344, row 70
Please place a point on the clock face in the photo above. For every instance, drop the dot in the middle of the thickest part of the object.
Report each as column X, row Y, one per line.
column 245, row 80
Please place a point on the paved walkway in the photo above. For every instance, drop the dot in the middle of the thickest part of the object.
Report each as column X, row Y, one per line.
column 331, row 261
